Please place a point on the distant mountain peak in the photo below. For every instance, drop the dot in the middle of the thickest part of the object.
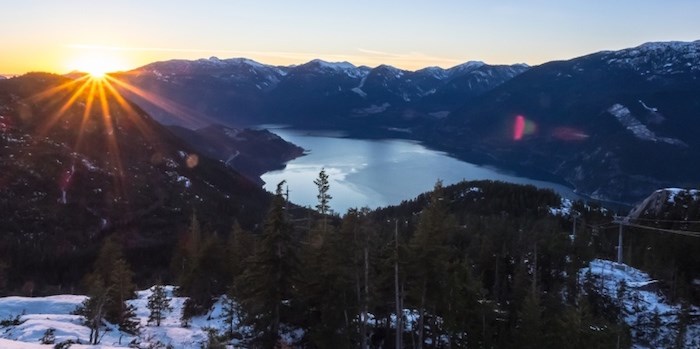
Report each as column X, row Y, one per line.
column 343, row 67
column 471, row 64
column 665, row 45
column 333, row 65
column 657, row 58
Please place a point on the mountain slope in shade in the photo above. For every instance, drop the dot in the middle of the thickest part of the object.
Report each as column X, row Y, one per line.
column 243, row 92
column 72, row 173
column 616, row 125
column 250, row 152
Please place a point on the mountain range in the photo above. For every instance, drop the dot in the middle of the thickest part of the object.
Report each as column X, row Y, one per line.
column 615, row 125
column 317, row 94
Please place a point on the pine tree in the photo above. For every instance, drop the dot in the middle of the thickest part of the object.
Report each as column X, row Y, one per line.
column 121, row 288
column 267, row 283
column 323, row 196
column 49, row 336
column 240, row 248
column 230, row 313
column 130, row 323
column 187, row 250
column 110, row 286
column 530, row 327
column 683, row 319
column 93, row 308
column 202, row 268
column 358, row 232
column 158, row 304
column 3, row 275
column 429, row 258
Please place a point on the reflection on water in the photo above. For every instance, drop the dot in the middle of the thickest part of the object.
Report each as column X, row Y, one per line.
column 375, row 173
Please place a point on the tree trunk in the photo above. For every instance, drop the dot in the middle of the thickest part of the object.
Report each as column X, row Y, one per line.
column 399, row 311
column 421, row 318
column 365, row 306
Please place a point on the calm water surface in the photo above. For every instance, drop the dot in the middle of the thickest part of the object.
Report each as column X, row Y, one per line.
column 375, row 173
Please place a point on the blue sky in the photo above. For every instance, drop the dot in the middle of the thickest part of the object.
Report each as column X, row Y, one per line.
column 52, row 35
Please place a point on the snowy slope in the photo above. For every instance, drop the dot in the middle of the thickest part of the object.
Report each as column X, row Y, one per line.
column 41, row 313
column 651, row 317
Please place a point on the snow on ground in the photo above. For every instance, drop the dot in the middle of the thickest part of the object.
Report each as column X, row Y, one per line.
column 563, row 210
column 38, row 314
column 639, row 130
column 651, row 317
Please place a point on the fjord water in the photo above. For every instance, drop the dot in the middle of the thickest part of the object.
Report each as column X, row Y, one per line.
column 375, row 173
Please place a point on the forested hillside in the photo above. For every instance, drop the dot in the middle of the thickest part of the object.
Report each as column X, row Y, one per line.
column 476, row 264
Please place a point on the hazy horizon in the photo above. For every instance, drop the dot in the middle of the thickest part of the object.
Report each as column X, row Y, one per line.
column 60, row 37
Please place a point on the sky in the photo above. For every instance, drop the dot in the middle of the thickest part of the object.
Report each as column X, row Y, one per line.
column 60, row 36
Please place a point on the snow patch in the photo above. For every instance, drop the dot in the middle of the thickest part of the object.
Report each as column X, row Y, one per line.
column 639, row 130
column 647, row 107
column 642, row 305
column 186, row 181
column 563, row 210
column 39, row 314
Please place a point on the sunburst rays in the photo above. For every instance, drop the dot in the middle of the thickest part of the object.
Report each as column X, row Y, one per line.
column 107, row 111
column 104, row 109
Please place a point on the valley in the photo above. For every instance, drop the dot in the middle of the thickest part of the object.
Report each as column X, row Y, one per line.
column 578, row 135
column 376, row 172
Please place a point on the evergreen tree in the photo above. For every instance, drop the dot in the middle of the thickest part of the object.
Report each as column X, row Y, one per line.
column 200, row 261
column 464, row 318
column 187, row 250
column 112, row 276
column 683, row 320
column 3, row 275
column 429, row 258
column 270, row 276
column 93, row 309
column 158, row 304
column 323, row 196
column 121, row 288
column 49, row 336
column 359, row 232
column 230, row 313
column 240, row 247
column 530, row 326
column 130, row 323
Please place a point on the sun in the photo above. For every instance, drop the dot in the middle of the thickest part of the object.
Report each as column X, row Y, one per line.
column 96, row 73
column 96, row 64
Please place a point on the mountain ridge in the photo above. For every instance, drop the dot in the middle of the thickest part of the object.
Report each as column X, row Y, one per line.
column 597, row 116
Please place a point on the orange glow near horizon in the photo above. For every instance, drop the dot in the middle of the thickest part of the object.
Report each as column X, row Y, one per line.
column 97, row 63
column 100, row 59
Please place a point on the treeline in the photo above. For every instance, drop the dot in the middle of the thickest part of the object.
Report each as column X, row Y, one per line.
column 478, row 264
column 473, row 265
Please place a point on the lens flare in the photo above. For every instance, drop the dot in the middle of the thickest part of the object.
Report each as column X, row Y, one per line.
column 569, row 134
column 523, row 127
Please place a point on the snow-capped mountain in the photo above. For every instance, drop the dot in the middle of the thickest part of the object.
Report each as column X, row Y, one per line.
column 616, row 125
column 241, row 91
column 656, row 59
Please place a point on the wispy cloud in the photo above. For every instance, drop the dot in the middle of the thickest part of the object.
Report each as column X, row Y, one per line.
column 410, row 57
column 361, row 56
